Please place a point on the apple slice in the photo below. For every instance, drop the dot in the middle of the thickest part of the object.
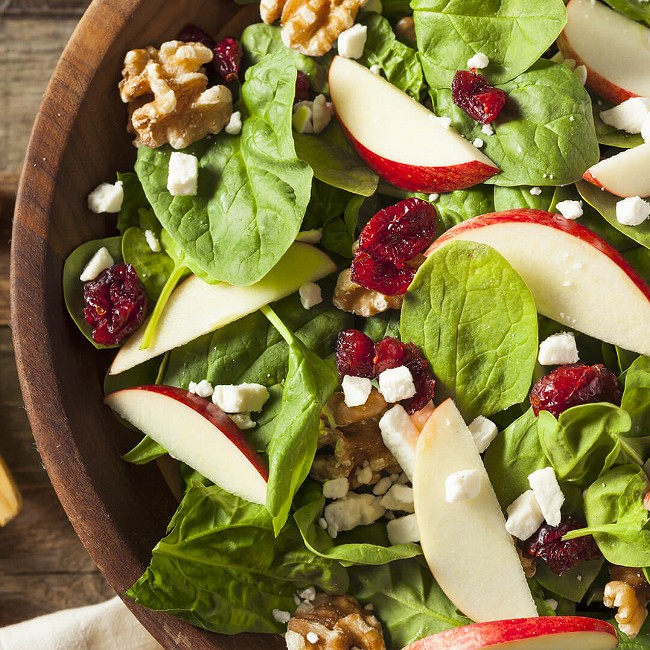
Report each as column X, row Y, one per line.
column 624, row 174
column 399, row 138
column 576, row 277
column 539, row 633
column 614, row 49
column 196, row 432
column 466, row 545
column 196, row 307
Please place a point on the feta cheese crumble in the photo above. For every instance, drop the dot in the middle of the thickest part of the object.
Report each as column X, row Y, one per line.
column 399, row 497
column 243, row 420
column 400, row 435
column 570, row 209
column 479, row 61
column 487, row 129
column 548, row 494
column 558, row 350
column 375, row 69
column 352, row 511
column 312, row 637
column 336, row 488
column 202, row 388
column 629, row 115
column 396, row 384
column 107, row 197
column 99, row 262
column 403, row 530
column 183, row 174
column 241, row 398
column 535, row 191
column 234, row 125
column 310, row 295
column 478, row 143
column 524, row 516
column 152, row 241
column 483, row 431
column 352, row 41
column 632, row 211
column 356, row 390
column 462, row 485
column 281, row 616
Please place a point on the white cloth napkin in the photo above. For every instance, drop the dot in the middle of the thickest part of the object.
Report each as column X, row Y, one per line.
column 107, row 626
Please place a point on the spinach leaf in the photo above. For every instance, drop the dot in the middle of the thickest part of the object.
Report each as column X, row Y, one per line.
column 253, row 190
column 572, row 584
column 339, row 234
column 309, row 384
column 634, row 9
column 135, row 202
column 639, row 258
column 235, row 570
column 381, row 325
column 399, row 63
column 454, row 207
column 144, row 452
column 584, row 441
column 616, row 516
column 334, row 162
column 406, row 599
column 259, row 40
column 475, row 319
column 512, row 33
column 73, row 286
column 363, row 552
column 395, row 9
column 326, row 202
column 636, row 396
column 605, row 204
column 509, row 198
column 514, row 454
column 609, row 135
column 544, row 135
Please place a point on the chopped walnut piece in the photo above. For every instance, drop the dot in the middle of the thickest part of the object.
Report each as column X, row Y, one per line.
column 334, row 623
column 405, row 29
column 631, row 612
column 168, row 97
column 344, row 415
column 634, row 577
column 311, row 26
column 528, row 564
column 352, row 297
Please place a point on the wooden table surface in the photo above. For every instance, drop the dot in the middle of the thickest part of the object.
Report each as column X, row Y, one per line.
column 43, row 566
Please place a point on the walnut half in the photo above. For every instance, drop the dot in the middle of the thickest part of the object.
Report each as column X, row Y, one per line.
column 168, row 97
column 334, row 623
column 352, row 297
column 631, row 612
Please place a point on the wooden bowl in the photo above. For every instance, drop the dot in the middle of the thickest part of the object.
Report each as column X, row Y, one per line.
column 79, row 140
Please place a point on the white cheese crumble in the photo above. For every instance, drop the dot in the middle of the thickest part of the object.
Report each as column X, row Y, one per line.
column 548, row 494
column 281, row 616
column 152, row 241
column 487, row 129
column 444, row 122
column 570, row 209
column 355, row 510
column 483, row 431
column 535, row 191
column 632, row 211
column 309, row 594
column 99, row 262
column 396, row 384
column 558, row 350
column 336, row 488
column 433, row 197
column 352, row 41
column 628, row 115
column 478, row 143
column 364, row 474
column 462, row 485
column 243, row 420
column 183, row 174
column 356, row 390
column 479, row 61
column 403, row 530
column 234, row 124
column 400, row 435
column 242, row 398
column 310, row 295
column 107, row 197
column 524, row 516
column 375, row 69
column 382, row 486
column 202, row 388
column 552, row 603
column 399, row 497
column 312, row 637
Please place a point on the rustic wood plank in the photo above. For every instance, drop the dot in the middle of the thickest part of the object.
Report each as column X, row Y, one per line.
column 43, row 10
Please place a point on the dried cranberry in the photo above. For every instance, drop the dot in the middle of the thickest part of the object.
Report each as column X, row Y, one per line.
column 354, row 354
column 116, row 304
column 472, row 92
column 303, row 88
column 227, row 59
column 194, row 34
column 377, row 275
column 390, row 353
column 399, row 232
column 561, row 556
column 569, row 386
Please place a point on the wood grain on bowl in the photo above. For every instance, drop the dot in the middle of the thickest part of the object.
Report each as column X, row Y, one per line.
column 79, row 140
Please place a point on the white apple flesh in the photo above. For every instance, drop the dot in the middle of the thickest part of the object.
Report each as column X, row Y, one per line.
column 576, row 278
column 466, row 545
column 196, row 307
column 624, row 174
column 400, row 139
column 196, row 432
column 539, row 633
column 614, row 49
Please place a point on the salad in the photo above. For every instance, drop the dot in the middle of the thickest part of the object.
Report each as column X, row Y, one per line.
column 379, row 283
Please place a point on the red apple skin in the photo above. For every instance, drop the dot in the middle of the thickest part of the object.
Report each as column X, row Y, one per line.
column 590, row 178
column 595, row 82
column 423, row 179
column 528, row 215
column 495, row 633
column 216, row 417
